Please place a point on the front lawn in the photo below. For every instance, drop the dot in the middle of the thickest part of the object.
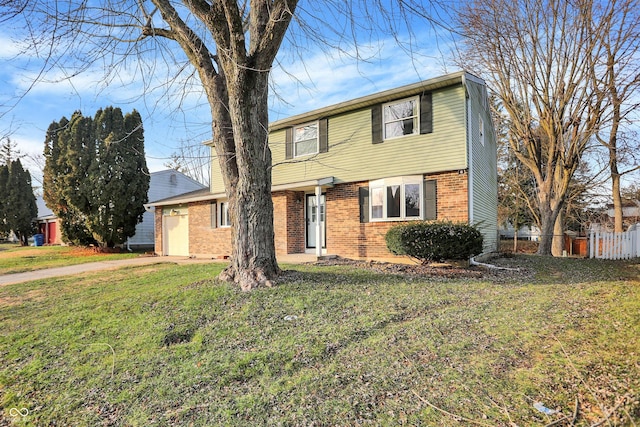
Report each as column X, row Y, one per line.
column 329, row 345
column 18, row 259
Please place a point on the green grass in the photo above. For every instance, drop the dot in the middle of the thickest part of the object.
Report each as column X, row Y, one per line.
column 167, row 345
column 18, row 259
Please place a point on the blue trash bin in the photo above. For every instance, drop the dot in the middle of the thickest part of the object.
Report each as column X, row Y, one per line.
column 38, row 239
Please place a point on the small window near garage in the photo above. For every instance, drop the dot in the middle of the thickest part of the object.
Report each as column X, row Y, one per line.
column 395, row 199
column 224, row 214
column 400, row 118
column 305, row 139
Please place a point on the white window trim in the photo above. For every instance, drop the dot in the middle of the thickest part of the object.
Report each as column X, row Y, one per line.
column 295, row 146
column 416, row 129
column 401, row 181
column 220, row 216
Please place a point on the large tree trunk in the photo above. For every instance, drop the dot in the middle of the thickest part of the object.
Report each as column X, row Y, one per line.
column 557, row 244
column 617, row 200
column 546, row 233
column 247, row 175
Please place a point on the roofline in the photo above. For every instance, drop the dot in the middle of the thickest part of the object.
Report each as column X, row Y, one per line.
column 322, row 182
column 376, row 98
column 178, row 200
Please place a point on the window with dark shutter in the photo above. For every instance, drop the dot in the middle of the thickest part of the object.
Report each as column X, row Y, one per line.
column 430, row 200
column 288, row 145
column 426, row 113
column 363, row 193
column 214, row 208
column 376, row 124
column 323, row 135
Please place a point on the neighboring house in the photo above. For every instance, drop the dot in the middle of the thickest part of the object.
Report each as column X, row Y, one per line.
column 47, row 223
column 344, row 174
column 630, row 212
column 524, row 233
column 162, row 184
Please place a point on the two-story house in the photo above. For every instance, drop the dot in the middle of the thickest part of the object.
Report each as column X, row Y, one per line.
column 344, row 174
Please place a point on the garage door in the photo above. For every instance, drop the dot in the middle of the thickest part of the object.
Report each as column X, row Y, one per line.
column 176, row 235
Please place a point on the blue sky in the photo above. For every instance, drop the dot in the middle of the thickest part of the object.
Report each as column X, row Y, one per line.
column 170, row 120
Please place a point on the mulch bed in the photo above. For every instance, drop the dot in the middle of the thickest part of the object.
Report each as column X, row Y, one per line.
column 442, row 270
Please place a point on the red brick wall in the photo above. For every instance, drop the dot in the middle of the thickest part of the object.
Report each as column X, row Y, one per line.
column 347, row 237
column 452, row 195
column 206, row 241
column 288, row 221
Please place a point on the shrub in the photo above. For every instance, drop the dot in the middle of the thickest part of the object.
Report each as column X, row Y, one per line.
column 435, row 241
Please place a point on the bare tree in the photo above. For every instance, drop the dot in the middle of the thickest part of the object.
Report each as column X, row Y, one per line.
column 229, row 48
column 535, row 54
column 192, row 160
column 616, row 78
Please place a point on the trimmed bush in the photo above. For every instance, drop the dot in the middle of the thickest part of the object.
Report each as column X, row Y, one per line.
column 435, row 240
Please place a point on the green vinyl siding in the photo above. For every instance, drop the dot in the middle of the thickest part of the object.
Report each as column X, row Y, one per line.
column 484, row 162
column 352, row 157
column 216, row 182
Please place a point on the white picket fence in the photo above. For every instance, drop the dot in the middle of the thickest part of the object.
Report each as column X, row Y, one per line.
column 609, row 245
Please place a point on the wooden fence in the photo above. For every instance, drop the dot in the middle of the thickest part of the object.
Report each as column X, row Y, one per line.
column 608, row 245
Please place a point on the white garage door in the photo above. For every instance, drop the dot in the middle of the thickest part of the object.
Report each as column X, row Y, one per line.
column 176, row 235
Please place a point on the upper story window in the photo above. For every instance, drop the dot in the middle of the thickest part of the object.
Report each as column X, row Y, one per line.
column 399, row 198
column 305, row 139
column 408, row 116
column 400, row 118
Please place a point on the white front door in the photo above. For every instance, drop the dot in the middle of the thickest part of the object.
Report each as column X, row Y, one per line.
column 313, row 215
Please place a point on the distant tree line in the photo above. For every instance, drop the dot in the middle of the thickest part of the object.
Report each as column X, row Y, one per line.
column 96, row 178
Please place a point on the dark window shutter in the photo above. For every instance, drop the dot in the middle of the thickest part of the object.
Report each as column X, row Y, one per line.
column 363, row 193
column 323, row 135
column 288, row 144
column 214, row 212
column 376, row 124
column 426, row 113
column 430, row 200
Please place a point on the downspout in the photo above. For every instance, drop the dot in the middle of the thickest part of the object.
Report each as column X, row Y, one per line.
column 469, row 149
column 318, row 229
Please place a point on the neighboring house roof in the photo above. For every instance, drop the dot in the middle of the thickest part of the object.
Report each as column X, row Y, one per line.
column 44, row 213
column 168, row 172
column 630, row 209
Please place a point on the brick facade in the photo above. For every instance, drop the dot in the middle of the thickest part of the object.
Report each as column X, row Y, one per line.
column 289, row 222
column 206, row 239
column 346, row 235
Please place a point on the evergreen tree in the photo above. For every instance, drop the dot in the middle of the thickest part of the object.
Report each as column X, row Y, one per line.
column 4, row 182
column 96, row 175
column 55, row 182
column 20, row 203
